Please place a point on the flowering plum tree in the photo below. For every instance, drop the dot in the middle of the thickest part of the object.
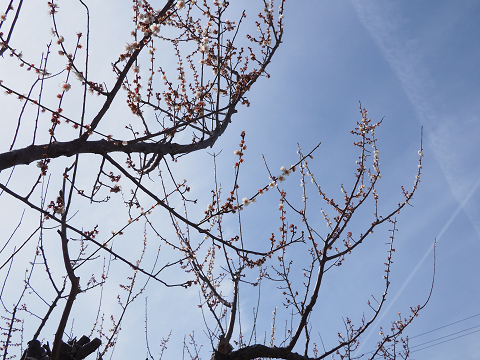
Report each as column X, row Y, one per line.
column 96, row 160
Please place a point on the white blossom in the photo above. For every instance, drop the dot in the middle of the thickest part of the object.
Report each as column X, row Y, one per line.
column 60, row 210
column 65, row 86
column 180, row 4
column 78, row 75
column 155, row 28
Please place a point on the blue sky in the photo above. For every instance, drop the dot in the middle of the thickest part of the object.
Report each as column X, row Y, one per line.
column 415, row 64
column 412, row 63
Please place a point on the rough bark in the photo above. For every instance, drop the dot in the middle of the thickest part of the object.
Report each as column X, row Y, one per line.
column 259, row 351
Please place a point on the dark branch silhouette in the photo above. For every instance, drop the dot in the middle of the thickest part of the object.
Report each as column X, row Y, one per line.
column 171, row 111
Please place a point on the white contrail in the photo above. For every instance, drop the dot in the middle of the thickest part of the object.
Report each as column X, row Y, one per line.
column 427, row 253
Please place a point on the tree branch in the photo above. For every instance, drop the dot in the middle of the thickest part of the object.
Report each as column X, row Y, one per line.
column 262, row 351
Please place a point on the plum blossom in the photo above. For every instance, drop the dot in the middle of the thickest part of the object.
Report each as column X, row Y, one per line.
column 155, row 28
column 65, row 86
column 78, row 75
column 130, row 48
column 204, row 42
column 285, row 171
column 59, row 210
column 180, row 4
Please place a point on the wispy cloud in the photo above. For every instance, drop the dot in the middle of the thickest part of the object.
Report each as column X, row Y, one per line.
column 453, row 141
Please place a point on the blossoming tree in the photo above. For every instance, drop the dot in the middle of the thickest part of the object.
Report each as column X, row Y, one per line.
column 94, row 160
